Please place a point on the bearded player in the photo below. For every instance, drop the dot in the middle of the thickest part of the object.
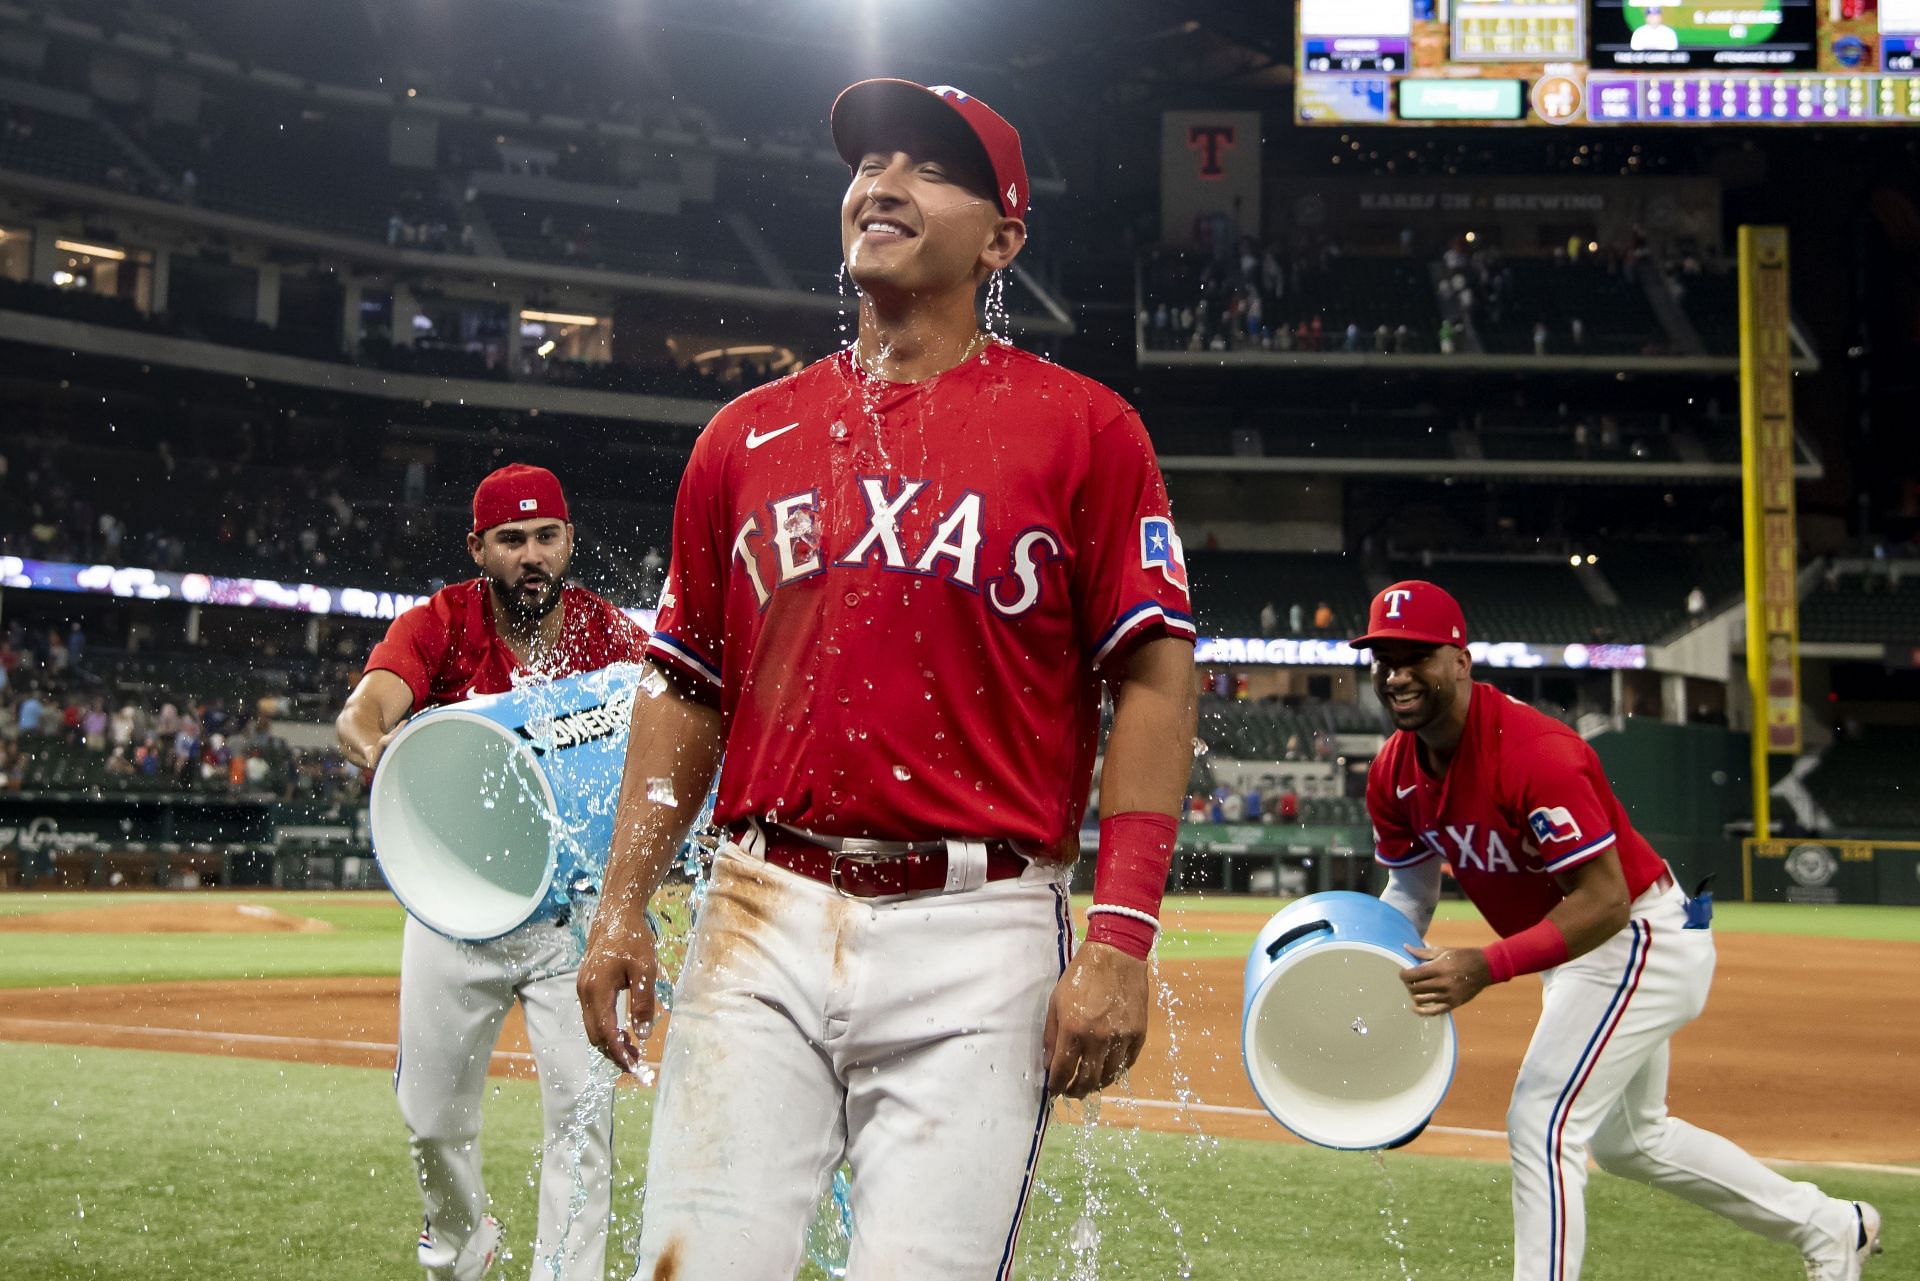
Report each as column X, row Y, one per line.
column 518, row 619
column 901, row 580
column 1517, row 804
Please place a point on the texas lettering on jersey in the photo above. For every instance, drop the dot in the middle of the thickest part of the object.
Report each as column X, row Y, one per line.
column 902, row 594
column 790, row 544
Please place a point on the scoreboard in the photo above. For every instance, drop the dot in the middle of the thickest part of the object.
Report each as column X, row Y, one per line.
column 1598, row 62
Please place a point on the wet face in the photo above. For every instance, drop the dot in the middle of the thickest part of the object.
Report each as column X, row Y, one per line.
column 526, row 562
column 917, row 219
column 1419, row 684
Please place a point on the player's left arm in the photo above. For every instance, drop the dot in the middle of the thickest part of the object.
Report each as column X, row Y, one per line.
column 1097, row 1019
column 1553, row 792
column 1136, row 624
column 1594, row 910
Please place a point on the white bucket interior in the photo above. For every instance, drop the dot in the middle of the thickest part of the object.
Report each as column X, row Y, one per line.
column 1336, row 1052
column 460, row 821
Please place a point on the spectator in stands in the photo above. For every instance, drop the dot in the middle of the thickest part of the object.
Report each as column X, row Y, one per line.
column 1287, row 809
column 1446, row 338
column 1269, row 619
column 125, row 725
column 1296, row 619
column 9, row 719
column 32, row 714
column 1233, row 806
column 1254, row 806
column 57, row 655
column 13, row 766
column 93, row 724
column 1540, row 336
column 1323, row 618
column 1696, row 604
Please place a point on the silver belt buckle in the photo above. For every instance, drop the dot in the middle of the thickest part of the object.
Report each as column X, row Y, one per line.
column 867, row 860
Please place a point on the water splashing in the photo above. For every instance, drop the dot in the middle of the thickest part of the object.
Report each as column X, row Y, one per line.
column 999, row 321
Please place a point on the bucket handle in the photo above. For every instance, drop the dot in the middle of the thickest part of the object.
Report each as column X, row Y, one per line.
column 1294, row 935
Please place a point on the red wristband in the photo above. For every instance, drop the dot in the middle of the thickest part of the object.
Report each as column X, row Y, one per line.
column 1538, row 947
column 1136, row 853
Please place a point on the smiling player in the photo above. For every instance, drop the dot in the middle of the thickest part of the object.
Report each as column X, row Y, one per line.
column 901, row 580
column 1517, row 805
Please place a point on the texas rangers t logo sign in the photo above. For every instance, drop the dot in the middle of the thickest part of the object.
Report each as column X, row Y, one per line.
column 1210, row 141
column 1396, row 598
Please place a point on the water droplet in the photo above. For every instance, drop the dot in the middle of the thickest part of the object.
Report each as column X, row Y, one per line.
column 660, row 792
column 653, row 683
column 1360, row 1026
column 902, row 773
column 1084, row 1236
column 1199, row 748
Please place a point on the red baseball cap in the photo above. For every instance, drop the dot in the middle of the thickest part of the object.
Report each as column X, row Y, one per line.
column 517, row 492
column 863, row 109
column 1417, row 611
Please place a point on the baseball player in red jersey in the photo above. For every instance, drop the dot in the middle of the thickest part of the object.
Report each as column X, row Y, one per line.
column 1517, row 805
column 901, row 579
column 519, row 619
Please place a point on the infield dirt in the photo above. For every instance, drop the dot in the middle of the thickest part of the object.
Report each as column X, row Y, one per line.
column 1803, row 1052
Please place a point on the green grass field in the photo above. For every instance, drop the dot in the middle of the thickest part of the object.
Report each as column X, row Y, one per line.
column 129, row 1163
column 121, row 1163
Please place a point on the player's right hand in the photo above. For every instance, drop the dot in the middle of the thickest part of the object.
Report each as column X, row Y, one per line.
column 620, row 958
column 371, row 756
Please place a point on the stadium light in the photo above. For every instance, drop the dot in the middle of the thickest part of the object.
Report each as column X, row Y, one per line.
column 559, row 318
column 1574, row 560
column 92, row 251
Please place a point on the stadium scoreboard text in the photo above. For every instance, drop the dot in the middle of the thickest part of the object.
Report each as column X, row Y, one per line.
column 1557, row 62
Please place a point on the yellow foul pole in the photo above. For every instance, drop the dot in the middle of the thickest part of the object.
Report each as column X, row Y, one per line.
column 1766, row 467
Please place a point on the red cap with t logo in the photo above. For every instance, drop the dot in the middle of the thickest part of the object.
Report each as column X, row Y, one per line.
column 1415, row 611
column 864, row 113
column 517, row 492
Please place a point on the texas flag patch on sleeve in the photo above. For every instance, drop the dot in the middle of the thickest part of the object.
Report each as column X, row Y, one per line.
column 1553, row 824
column 1160, row 549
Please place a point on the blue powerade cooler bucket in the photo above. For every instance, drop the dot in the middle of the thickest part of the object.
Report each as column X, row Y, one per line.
column 1328, row 1032
column 487, row 811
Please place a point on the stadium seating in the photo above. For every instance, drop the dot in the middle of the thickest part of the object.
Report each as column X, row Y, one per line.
column 1230, row 588
column 1275, row 731
column 1864, row 607
column 1870, row 785
column 1612, row 308
column 694, row 244
column 1711, row 301
column 57, row 146
column 1520, row 600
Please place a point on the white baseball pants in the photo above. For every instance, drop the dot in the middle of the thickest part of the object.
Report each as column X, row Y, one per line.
column 1595, row 1080
column 453, row 997
column 904, row 1037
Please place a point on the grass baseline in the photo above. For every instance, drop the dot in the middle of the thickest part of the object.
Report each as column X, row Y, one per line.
column 138, row 1163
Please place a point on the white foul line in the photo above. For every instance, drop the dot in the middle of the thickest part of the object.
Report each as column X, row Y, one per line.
column 244, row 1038
column 514, row 1056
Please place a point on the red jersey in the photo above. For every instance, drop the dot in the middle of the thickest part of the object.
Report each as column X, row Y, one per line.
column 446, row 648
column 901, row 593
column 1523, row 798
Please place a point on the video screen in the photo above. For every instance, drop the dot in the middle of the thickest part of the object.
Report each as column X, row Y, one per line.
column 1597, row 62
column 1776, row 35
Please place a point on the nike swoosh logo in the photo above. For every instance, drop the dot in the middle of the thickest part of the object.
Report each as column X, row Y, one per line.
column 1408, row 790
column 755, row 439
